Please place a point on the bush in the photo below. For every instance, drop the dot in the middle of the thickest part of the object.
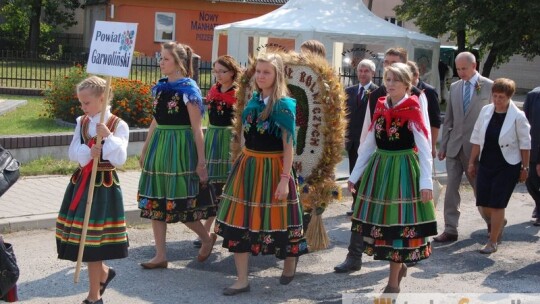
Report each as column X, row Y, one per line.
column 132, row 99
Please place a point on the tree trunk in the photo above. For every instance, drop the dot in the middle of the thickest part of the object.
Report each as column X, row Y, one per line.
column 460, row 37
column 490, row 61
column 33, row 35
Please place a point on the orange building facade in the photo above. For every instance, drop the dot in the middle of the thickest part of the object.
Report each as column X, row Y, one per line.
column 187, row 21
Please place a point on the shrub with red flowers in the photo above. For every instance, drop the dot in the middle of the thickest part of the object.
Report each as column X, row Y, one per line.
column 132, row 100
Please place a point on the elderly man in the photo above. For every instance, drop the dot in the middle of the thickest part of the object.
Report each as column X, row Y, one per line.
column 357, row 102
column 467, row 97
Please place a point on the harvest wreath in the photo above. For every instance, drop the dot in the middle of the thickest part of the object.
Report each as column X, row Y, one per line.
column 320, row 124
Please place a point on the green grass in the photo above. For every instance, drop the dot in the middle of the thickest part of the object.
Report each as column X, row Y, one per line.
column 50, row 166
column 28, row 119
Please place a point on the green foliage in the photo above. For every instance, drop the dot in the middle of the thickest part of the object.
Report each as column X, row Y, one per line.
column 15, row 30
column 61, row 99
column 132, row 99
column 132, row 102
column 499, row 28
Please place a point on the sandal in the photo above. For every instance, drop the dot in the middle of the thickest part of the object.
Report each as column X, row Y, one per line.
column 103, row 285
column 489, row 248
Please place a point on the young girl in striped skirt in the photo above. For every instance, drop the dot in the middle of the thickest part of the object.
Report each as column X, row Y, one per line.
column 394, row 210
column 220, row 101
column 172, row 159
column 259, row 211
column 106, row 236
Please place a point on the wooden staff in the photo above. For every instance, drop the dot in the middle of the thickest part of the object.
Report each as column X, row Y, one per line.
column 91, row 187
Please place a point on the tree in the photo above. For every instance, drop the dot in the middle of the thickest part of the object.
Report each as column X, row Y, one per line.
column 32, row 15
column 499, row 28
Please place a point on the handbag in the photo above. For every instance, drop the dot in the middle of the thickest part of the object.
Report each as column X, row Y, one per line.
column 9, row 271
column 437, row 187
column 9, row 170
column 207, row 195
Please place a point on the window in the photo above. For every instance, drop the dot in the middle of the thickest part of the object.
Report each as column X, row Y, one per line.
column 393, row 20
column 164, row 27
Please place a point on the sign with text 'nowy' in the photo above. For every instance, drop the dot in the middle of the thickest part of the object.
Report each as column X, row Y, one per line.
column 111, row 49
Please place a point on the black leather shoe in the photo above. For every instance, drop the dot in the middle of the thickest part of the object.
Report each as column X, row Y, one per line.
column 350, row 264
column 349, row 213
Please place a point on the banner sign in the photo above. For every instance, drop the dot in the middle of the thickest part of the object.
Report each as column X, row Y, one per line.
column 111, row 49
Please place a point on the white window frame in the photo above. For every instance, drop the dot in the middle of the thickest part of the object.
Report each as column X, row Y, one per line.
column 157, row 37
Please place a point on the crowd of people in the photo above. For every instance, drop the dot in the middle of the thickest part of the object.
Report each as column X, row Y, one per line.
column 252, row 201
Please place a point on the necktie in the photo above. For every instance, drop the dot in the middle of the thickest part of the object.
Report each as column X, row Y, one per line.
column 466, row 96
column 359, row 97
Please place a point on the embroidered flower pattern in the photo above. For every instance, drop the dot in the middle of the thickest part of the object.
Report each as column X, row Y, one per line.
column 393, row 132
column 155, row 102
column 408, row 233
column 172, row 105
column 376, row 232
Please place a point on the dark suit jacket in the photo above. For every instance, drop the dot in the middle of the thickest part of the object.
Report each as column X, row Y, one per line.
column 531, row 107
column 434, row 112
column 356, row 114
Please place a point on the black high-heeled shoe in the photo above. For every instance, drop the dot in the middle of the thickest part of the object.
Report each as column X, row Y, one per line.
column 285, row 280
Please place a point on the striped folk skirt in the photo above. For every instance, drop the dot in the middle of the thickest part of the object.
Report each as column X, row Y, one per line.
column 388, row 210
column 106, row 237
column 250, row 218
column 168, row 185
column 217, row 142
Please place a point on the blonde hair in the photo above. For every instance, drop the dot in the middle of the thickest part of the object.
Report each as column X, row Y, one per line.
column 314, row 46
column 96, row 85
column 401, row 72
column 280, row 89
column 183, row 56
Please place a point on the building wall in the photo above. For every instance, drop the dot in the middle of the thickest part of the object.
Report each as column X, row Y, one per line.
column 195, row 20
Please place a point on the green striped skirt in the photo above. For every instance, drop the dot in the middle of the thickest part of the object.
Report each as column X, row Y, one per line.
column 250, row 218
column 388, row 210
column 169, row 184
column 106, row 236
column 217, row 141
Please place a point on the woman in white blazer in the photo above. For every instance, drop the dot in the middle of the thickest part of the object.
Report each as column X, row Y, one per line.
column 499, row 156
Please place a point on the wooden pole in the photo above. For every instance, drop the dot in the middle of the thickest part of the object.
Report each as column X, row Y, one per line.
column 91, row 187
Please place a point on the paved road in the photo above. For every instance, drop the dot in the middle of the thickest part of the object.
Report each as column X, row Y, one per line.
column 453, row 268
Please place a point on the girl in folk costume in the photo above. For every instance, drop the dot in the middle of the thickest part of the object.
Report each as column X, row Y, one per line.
column 106, row 235
column 393, row 209
column 217, row 140
column 172, row 158
column 259, row 212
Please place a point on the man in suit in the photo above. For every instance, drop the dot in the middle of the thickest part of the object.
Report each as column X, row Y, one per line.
column 531, row 107
column 357, row 101
column 434, row 111
column 467, row 97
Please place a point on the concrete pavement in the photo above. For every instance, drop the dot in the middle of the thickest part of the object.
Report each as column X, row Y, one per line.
column 452, row 269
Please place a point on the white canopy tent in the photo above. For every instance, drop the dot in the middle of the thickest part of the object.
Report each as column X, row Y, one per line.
column 335, row 23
